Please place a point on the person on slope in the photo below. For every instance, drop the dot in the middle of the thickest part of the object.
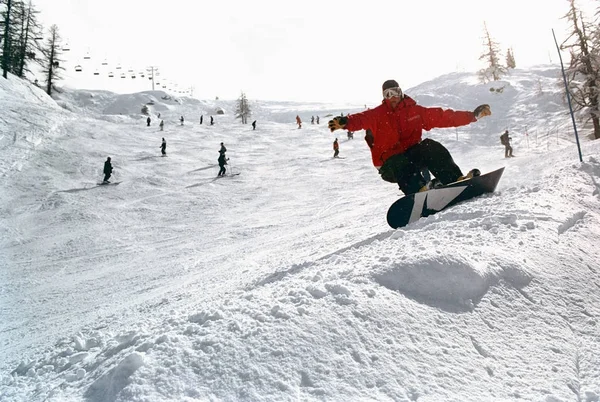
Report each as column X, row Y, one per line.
column 163, row 147
column 336, row 148
column 505, row 140
column 222, row 160
column 394, row 136
column 107, row 170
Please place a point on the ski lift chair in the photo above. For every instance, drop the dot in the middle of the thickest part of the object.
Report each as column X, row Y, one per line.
column 78, row 69
column 110, row 75
column 86, row 57
column 96, row 72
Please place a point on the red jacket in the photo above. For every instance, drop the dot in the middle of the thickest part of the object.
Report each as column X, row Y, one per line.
column 394, row 131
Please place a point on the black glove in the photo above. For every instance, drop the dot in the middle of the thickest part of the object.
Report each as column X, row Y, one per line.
column 481, row 111
column 369, row 138
column 337, row 123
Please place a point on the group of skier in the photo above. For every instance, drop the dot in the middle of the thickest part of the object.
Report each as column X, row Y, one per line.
column 394, row 136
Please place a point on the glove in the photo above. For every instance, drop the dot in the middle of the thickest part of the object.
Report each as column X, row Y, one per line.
column 369, row 138
column 337, row 123
column 482, row 111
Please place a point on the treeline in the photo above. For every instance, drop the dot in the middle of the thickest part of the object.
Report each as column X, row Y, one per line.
column 23, row 43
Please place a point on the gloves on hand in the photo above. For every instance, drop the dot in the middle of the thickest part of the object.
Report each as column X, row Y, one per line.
column 369, row 138
column 337, row 123
column 482, row 111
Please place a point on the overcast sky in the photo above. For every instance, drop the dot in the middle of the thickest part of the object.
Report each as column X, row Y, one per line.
column 342, row 51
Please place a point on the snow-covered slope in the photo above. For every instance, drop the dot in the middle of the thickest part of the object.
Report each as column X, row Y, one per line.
column 284, row 282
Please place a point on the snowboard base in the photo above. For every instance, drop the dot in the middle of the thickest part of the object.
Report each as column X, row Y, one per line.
column 412, row 207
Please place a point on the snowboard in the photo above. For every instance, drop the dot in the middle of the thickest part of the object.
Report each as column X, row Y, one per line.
column 410, row 208
column 109, row 184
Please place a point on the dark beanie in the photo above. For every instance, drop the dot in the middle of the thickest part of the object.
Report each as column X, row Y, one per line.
column 389, row 84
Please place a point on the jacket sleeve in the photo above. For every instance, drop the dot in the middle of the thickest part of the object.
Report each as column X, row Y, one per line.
column 441, row 118
column 361, row 121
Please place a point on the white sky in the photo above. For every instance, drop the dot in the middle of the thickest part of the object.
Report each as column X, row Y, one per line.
column 285, row 283
column 310, row 50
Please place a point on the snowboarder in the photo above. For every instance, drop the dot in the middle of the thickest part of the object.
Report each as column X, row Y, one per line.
column 394, row 137
column 201, row 118
column 336, row 148
column 163, row 147
column 162, row 125
column 181, row 120
column 505, row 140
column 298, row 121
column 107, row 170
column 254, row 125
column 222, row 160
column 148, row 120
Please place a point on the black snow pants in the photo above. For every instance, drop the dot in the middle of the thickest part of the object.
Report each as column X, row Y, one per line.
column 405, row 169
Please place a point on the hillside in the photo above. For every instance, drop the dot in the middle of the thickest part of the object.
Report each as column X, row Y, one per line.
column 285, row 282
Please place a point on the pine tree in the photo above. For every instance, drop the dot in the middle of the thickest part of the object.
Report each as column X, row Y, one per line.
column 50, row 61
column 510, row 59
column 583, row 72
column 242, row 109
column 494, row 70
column 7, row 38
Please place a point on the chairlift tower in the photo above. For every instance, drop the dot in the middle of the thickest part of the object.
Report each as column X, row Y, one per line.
column 153, row 70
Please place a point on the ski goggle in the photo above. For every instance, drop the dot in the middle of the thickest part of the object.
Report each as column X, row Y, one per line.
column 392, row 92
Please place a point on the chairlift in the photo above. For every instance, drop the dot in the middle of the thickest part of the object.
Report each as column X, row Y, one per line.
column 110, row 75
column 150, row 78
column 142, row 75
column 96, row 72
column 158, row 83
column 78, row 68
column 86, row 57
column 105, row 63
column 66, row 48
column 118, row 67
column 133, row 76
column 123, row 76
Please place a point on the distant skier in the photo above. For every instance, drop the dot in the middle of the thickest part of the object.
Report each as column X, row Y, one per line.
column 163, row 147
column 336, row 148
column 298, row 121
column 505, row 140
column 312, row 119
column 254, row 125
column 181, row 120
column 201, row 118
column 148, row 120
column 162, row 125
column 212, row 121
column 222, row 160
column 350, row 135
column 107, row 170
column 317, row 119
column 158, row 116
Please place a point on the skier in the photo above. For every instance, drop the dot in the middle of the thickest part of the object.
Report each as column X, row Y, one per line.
column 162, row 125
column 222, row 160
column 181, row 120
column 350, row 135
column 312, row 119
column 212, row 121
column 394, row 137
column 254, row 125
column 298, row 121
column 317, row 119
column 201, row 118
column 336, row 148
column 107, row 171
column 505, row 140
column 148, row 120
column 163, row 147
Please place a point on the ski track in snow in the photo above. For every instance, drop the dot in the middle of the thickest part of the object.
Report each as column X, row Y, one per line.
column 285, row 283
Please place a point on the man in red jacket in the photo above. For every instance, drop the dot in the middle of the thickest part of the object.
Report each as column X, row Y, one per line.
column 394, row 131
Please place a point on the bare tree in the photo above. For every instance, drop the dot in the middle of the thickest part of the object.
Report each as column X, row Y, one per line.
column 242, row 109
column 494, row 70
column 50, row 62
column 6, row 39
column 583, row 72
column 510, row 59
